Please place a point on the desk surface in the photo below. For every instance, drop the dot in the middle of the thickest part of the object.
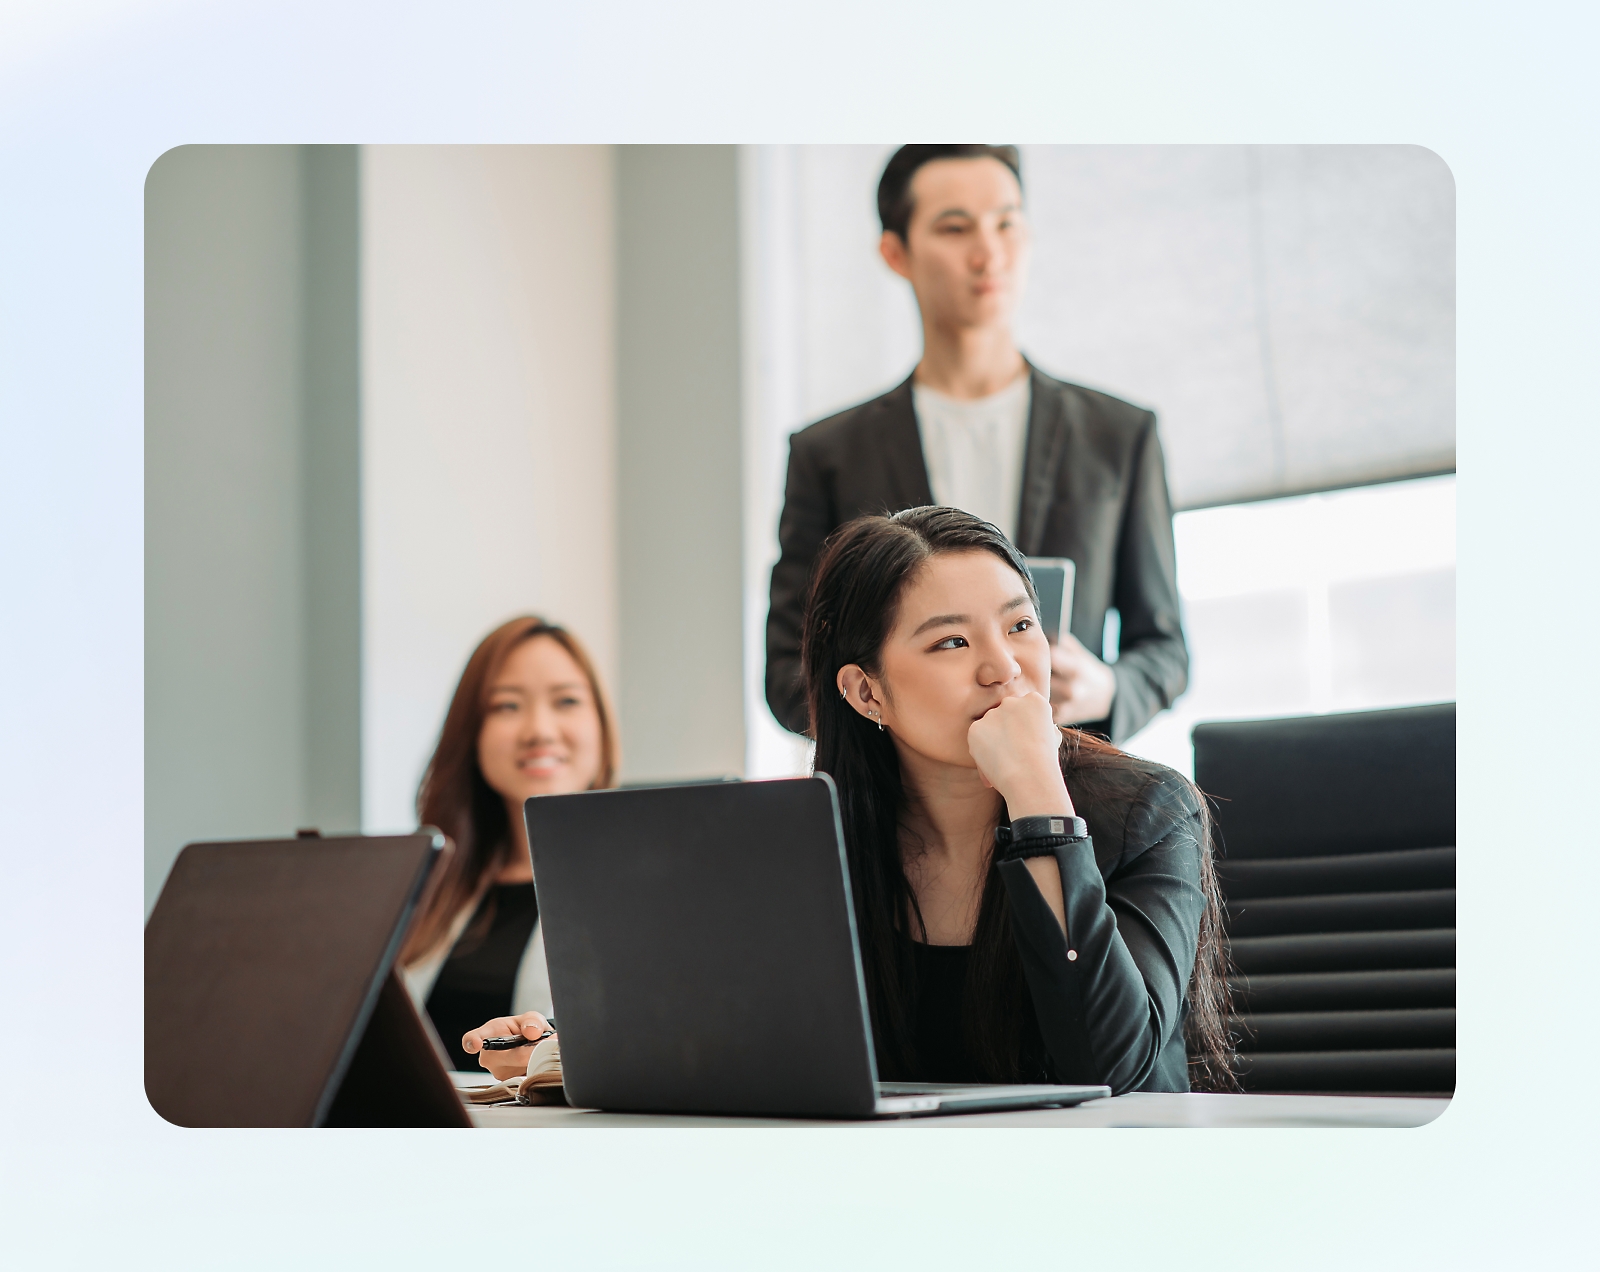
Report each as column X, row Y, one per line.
column 1137, row 1109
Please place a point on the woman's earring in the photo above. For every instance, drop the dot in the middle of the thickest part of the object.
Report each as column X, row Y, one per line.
column 878, row 718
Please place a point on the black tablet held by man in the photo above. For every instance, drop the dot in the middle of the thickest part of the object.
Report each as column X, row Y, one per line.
column 270, row 994
column 1053, row 579
column 703, row 957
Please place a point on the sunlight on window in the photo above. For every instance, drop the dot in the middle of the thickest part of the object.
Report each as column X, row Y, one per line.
column 1334, row 602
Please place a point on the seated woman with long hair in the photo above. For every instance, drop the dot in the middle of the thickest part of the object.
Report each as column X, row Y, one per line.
column 528, row 717
column 1033, row 904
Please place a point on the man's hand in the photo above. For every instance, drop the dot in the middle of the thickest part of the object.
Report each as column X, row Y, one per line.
column 1081, row 686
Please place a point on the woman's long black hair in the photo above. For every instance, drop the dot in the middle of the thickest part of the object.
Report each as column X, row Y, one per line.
column 852, row 605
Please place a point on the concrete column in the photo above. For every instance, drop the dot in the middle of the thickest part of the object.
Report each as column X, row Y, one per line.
column 678, row 429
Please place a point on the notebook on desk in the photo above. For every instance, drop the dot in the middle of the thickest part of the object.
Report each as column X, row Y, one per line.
column 703, row 957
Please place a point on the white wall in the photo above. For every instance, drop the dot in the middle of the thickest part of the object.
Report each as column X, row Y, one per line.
column 488, row 430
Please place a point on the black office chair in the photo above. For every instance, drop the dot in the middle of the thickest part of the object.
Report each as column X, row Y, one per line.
column 1338, row 871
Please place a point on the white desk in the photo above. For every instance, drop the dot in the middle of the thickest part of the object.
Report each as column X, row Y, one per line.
column 1138, row 1109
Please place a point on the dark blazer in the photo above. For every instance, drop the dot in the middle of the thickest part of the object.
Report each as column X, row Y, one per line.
column 1094, row 489
column 1134, row 900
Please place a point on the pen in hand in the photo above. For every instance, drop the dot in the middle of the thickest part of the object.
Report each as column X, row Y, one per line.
column 512, row 1041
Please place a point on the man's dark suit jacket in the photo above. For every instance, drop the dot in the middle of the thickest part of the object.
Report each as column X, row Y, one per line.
column 1094, row 489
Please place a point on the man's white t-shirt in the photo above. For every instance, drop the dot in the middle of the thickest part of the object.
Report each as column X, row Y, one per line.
column 974, row 450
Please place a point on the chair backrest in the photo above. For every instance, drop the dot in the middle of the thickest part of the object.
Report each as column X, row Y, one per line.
column 1337, row 867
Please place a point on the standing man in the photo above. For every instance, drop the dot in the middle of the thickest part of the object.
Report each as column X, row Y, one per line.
column 1063, row 470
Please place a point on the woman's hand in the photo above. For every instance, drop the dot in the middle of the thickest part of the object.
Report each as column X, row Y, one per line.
column 506, row 1064
column 1018, row 749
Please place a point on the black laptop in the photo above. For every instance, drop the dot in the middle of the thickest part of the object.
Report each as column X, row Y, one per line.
column 703, row 957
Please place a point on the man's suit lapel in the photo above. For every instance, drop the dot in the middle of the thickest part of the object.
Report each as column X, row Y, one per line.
column 1047, row 437
column 906, row 469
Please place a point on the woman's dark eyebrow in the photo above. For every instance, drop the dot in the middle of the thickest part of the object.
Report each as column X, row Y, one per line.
column 946, row 620
column 942, row 620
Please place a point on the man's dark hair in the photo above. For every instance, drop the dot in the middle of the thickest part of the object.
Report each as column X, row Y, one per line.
column 894, row 188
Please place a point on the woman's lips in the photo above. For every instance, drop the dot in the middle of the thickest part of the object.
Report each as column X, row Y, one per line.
column 541, row 764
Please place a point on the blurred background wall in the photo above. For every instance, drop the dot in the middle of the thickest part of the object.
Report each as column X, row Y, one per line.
column 395, row 395
column 488, row 431
column 252, row 570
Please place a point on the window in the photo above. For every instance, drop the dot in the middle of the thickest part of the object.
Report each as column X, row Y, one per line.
column 1342, row 601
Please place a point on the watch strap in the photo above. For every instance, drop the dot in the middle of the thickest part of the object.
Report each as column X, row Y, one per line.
column 1039, row 827
column 1038, row 836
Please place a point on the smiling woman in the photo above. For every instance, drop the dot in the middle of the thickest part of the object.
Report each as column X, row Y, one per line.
column 529, row 717
column 1033, row 904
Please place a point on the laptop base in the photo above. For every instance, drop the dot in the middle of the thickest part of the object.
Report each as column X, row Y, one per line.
column 922, row 1099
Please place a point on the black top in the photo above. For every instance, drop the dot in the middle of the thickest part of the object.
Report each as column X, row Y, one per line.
column 1108, row 996
column 941, row 972
column 1094, row 490
column 940, row 1032
column 478, row 979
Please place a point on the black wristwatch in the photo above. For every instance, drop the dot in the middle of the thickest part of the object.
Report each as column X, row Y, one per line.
column 1038, row 836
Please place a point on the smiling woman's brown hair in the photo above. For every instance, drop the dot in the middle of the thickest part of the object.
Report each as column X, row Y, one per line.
column 454, row 795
